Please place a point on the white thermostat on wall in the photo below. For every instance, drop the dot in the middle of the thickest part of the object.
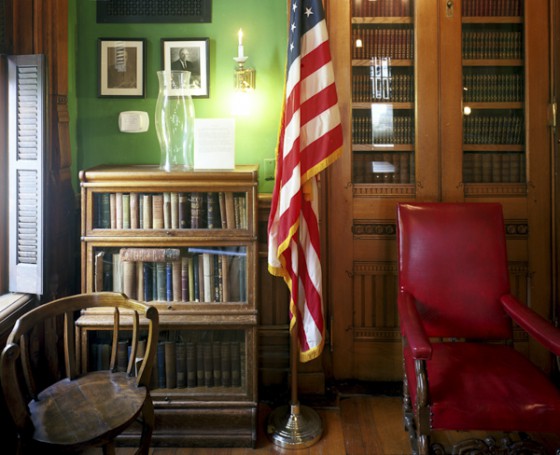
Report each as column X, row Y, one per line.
column 133, row 122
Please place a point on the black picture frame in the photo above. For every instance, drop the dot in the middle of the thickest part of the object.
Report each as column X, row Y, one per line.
column 121, row 67
column 197, row 60
column 154, row 11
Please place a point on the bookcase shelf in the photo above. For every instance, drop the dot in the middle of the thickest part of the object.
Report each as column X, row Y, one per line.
column 187, row 243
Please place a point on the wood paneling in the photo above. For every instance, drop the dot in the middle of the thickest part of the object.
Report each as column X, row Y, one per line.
column 362, row 256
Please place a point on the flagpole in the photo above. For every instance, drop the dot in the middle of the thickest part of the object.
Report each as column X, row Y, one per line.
column 294, row 426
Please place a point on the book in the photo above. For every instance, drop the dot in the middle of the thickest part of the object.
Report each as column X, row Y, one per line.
column 147, row 211
column 119, row 210
column 167, row 210
column 161, row 282
column 104, row 219
column 217, row 363
column 184, row 279
column 113, row 211
column 98, row 271
column 177, row 280
column 230, row 210
column 235, row 364
column 213, row 211
column 190, row 359
column 208, row 274
column 150, row 254
column 174, row 200
column 225, row 358
column 160, row 362
column 198, row 213
column 126, row 211
column 157, row 211
column 199, row 364
column 134, row 218
column 181, row 363
column 208, row 364
column 139, row 280
column 117, row 273
column 168, row 281
column 148, row 281
column 184, row 211
column 170, row 364
column 129, row 278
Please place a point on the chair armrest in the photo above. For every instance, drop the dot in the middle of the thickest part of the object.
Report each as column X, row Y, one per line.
column 412, row 328
column 534, row 324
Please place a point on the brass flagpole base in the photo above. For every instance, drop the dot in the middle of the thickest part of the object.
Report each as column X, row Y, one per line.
column 294, row 426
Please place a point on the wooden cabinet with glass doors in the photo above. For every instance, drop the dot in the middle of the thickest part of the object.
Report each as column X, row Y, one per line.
column 441, row 101
column 185, row 242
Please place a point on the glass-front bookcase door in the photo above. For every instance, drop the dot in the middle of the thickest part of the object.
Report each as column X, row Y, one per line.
column 383, row 92
column 493, row 92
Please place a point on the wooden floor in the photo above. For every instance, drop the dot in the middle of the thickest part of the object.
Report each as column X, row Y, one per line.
column 354, row 425
column 364, row 425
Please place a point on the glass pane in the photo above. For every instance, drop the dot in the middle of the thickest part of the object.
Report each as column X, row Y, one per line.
column 493, row 92
column 383, row 91
column 191, row 359
column 170, row 210
column 187, row 274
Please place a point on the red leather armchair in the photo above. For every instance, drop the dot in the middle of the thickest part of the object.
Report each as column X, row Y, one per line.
column 456, row 313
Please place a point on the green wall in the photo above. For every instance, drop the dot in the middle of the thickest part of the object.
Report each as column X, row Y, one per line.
column 95, row 135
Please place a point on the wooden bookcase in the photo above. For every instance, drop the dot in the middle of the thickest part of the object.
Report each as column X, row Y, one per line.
column 440, row 101
column 187, row 243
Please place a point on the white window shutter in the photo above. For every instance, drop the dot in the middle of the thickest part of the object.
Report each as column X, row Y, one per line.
column 26, row 142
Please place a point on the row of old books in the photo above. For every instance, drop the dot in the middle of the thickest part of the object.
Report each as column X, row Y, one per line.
column 172, row 274
column 383, row 8
column 494, row 167
column 395, row 43
column 401, row 88
column 493, row 129
column 492, row 7
column 492, row 45
column 188, row 359
column 398, row 129
column 171, row 210
column 493, row 88
column 402, row 167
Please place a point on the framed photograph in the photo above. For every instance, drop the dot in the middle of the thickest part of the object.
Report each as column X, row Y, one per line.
column 121, row 67
column 189, row 54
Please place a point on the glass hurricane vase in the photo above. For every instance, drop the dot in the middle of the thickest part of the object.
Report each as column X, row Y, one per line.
column 174, row 120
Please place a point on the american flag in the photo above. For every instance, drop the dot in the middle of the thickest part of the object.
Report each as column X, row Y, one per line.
column 310, row 140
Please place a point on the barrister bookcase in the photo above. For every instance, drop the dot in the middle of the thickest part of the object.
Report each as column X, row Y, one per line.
column 185, row 242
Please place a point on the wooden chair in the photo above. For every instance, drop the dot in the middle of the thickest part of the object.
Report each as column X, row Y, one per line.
column 456, row 312
column 78, row 410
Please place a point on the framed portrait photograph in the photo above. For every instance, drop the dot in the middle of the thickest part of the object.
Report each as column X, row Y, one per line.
column 121, row 67
column 189, row 54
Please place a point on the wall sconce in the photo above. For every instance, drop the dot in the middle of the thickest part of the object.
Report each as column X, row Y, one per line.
column 244, row 76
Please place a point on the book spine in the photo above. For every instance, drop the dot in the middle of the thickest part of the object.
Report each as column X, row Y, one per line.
column 134, row 213
column 181, row 364
column 150, row 254
column 191, row 370
column 170, row 364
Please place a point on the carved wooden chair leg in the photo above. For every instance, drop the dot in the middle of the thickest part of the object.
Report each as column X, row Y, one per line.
column 148, row 421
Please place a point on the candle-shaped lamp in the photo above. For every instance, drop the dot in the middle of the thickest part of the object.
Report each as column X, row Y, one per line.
column 240, row 44
column 244, row 77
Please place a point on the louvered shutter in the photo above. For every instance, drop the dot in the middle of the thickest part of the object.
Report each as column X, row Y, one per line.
column 26, row 141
